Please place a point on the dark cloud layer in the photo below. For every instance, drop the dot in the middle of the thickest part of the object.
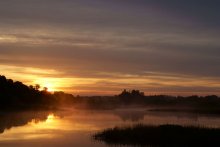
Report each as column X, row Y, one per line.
column 85, row 38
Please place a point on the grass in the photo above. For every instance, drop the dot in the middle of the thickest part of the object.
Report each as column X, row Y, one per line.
column 164, row 135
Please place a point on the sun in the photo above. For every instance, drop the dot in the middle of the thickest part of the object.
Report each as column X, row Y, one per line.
column 50, row 87
column 50, row 84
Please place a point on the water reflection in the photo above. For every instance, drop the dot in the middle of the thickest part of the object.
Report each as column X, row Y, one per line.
column 74, row 127
column 16, row 119
column 133, row 115
column 93, row 119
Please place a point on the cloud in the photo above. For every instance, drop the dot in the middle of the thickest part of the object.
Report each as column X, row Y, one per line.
column 87, row 39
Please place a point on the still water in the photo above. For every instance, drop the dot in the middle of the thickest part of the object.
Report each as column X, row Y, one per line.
column 72, row 127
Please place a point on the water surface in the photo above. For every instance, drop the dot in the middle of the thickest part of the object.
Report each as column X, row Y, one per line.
column 74, row 127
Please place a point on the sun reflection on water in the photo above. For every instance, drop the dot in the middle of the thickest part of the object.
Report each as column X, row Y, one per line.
column 52, row 122
column 53, row 126
column 50, row 118
column 33, row 130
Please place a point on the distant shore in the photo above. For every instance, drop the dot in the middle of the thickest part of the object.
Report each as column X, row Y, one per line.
column 14, row 95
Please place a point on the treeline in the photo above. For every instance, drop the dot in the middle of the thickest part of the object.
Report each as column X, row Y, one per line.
column 16, row 95
column 135, row 97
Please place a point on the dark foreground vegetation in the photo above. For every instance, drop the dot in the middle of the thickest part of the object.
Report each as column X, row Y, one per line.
column 15, row 95
column 164, row 135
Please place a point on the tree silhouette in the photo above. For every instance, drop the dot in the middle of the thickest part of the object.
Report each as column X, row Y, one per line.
column 45, row 89
column 37, row 86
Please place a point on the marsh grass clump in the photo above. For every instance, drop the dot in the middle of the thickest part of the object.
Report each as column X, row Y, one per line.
column 163, row 135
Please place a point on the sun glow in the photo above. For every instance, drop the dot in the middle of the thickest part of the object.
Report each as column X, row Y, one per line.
column 50, row 118
column 50, row 87
column 50, row 83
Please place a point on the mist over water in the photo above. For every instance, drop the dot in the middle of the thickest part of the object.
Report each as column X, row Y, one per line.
column 74, row 127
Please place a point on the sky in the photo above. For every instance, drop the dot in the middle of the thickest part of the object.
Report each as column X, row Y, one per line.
column 100, row 47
